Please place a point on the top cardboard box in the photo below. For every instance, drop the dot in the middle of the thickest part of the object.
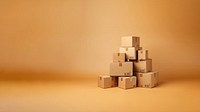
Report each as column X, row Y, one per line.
column 130, row 41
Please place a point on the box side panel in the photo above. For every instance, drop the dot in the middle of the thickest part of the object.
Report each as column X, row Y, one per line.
column 121, row 69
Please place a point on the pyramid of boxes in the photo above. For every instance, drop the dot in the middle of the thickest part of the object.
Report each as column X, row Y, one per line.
column 131, row 67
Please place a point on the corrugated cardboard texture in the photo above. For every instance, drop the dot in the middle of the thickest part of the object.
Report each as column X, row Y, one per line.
column 127, row 82
column 130, row 52
column 130, row 41
column 119, row 57
column 114, row 81
column 107, row 81
column 143, row 66
column 104, row 82
column 147, row 80
column 121, row 68
column 142, row 54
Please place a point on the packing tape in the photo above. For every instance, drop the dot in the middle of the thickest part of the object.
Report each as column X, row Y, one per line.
column 120, row 64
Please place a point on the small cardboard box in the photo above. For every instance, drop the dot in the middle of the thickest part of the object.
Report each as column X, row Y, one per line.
column 142, row 54
column 127, row 82
column 121, row 69
column 107, row 82
column 143, row 66
column 130, row 41
column 129, row 51
column 119, row 57
column 139, row 48
column 148, row 80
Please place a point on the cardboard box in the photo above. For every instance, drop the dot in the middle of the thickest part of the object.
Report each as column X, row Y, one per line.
column 114, row 81
column 148, row 80
column 140, row 48
column 143, row 66
column 130, row 41
column 127, row 82
column 121, row 69
column 119, row 57
column 129, row 51
column 142, row 54
column 107, row 82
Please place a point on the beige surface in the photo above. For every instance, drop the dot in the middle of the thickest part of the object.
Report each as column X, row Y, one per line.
column 85, row 96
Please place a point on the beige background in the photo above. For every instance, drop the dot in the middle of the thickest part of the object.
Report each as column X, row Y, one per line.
column 62, row 37
column 74, row 40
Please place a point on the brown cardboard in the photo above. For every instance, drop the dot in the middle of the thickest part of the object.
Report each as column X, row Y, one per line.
column 148, row 80
column 121, row 69
column 114, row 81
column 142, row 54
column 130, row 41
column 127, row 82
column 130, row 52
column 107, row 82
column 140, row 48
column 143, row 66
column 119, row 57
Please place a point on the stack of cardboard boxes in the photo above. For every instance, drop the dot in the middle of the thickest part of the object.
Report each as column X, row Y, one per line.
column 131, row 67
